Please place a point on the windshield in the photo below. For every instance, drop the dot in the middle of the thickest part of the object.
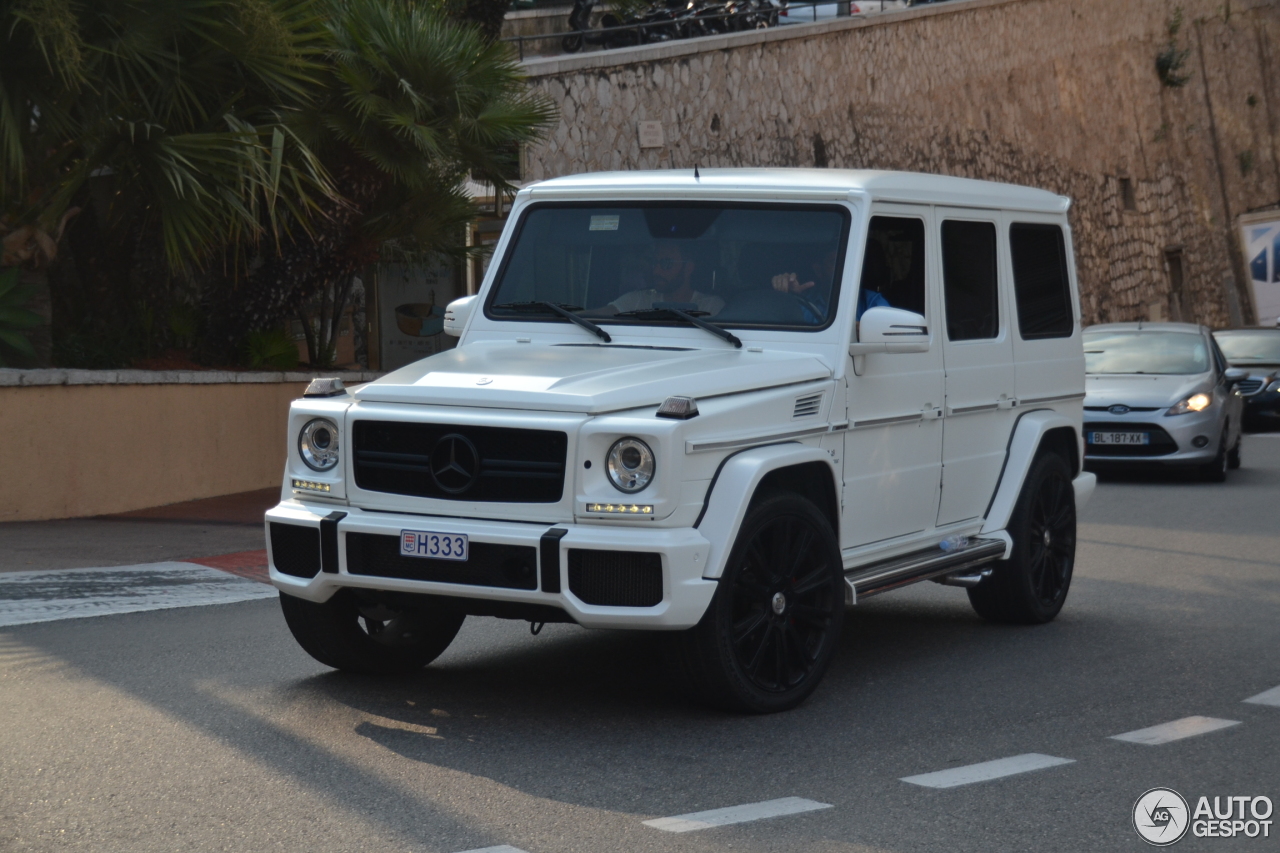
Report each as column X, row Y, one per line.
column 1250, row 346
column 774, row 266
column 1145, row 352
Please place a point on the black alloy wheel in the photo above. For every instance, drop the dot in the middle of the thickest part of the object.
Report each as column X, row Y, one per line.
column 354, row 634
column 774, row 624
column 1031, row 586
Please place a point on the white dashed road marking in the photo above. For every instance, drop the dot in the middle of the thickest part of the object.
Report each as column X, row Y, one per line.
column 987, row 770
column 736, row 814
column 27, row 597
column 501, row 848
column 1266, row 697
column 1176, row 730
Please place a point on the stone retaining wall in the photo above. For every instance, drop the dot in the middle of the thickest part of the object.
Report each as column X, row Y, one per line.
column 1060, row 94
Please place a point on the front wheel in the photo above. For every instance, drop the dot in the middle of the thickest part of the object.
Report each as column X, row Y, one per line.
column 352, row 635
column 1216, row 471
column 1031, row 586
column 774, row 623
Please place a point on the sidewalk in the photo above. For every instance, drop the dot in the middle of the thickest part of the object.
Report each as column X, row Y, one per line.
column 219, row 529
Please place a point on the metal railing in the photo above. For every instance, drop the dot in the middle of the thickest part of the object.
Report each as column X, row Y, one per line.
column 684, row 25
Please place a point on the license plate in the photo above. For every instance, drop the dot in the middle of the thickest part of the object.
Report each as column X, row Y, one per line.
column 1119, row 438
column 433, row 546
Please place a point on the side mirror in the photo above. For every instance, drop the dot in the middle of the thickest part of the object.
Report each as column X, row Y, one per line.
column 457, row 315
column 888, row 330
column 1235, row 375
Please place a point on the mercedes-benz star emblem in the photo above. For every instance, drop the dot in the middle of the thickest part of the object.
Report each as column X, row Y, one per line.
column 455, row 462
column 1119, row 410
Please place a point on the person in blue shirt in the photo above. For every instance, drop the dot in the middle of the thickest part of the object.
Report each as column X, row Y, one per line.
column 816, row 293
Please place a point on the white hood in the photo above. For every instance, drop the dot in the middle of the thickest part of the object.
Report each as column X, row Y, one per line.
column 584, row 378
column 1142, row 390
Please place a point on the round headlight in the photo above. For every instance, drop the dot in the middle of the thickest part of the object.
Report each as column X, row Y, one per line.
column 318, row 444
column 630, row 465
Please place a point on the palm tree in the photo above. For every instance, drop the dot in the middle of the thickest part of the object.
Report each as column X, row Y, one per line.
column 164, row 121
column 412, row 103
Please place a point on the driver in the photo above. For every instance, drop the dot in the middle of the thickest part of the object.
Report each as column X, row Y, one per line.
column 817, row 291
column 670, row 278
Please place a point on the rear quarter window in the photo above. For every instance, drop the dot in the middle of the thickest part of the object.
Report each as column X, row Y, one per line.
column 1040, row 284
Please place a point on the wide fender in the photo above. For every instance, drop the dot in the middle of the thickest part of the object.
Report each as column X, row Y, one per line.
column 1025, row 441
column 734, row 485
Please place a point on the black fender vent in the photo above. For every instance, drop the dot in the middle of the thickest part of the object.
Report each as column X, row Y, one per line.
column 295, row 550
column 510, row 566
column 615, row 578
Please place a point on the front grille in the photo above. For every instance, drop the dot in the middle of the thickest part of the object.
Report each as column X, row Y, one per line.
column 615, row 578
column 460, row 463
column 1162, row 444
column 1130, row 408
column 1248, row 387
column 807, row 406
column 295, row 549
column 510, row 566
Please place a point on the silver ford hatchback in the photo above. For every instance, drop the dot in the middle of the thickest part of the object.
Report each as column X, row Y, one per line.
column 1160, row 394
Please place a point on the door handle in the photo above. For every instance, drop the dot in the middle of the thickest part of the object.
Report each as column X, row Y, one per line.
column 931, row 412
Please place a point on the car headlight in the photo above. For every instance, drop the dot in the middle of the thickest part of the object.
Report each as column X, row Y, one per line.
column 1274, row 386
column 630, row 465
column 1194, row 403
column 318, row 444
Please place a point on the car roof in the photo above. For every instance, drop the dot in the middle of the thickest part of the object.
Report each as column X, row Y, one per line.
column 1144, row 326
column 909, row 187
column 1272, row 329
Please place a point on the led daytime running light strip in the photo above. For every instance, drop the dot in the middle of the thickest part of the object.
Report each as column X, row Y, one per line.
column 620, row 509
column 311, row 486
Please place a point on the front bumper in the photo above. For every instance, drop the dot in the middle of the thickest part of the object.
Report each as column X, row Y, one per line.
column 683, row 551
column 1181, row 430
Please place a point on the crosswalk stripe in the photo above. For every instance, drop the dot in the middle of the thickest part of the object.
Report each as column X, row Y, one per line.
column 736, row 814
column 28, row 597
column 1175, row 730
column 987, row 770
column 1266, row 697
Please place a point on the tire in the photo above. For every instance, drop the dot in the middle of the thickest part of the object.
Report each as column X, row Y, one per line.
column 1233, row 455
column 774, row 624
column 1216, row 471
column 1031, row 586
column 352, row 636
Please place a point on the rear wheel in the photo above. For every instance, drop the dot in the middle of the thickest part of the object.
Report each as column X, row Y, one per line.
column 357, row 636
column 774, row 623
column 1031, row 586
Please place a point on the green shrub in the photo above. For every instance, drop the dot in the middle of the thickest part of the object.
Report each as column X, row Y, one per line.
column 271, row 349
column 15, row 316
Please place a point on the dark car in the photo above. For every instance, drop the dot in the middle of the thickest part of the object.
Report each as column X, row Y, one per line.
column 1256, row 350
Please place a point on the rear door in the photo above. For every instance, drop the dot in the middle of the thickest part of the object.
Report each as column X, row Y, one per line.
column 978, row 355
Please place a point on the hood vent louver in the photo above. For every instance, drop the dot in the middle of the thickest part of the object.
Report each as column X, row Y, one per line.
column 807, row 407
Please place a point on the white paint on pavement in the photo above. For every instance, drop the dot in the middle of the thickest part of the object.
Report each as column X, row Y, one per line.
column 501, row 848
column 27, row 597
column 1266, row 697
column 736, row 814
column 987, row 770
column 1176, row 730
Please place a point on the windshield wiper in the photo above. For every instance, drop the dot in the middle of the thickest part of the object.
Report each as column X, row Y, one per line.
column 565, row 311
column 667, row 313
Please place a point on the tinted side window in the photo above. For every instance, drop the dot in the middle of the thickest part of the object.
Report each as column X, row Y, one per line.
column 969, row 280
column 1040, row 282
column 894, row 263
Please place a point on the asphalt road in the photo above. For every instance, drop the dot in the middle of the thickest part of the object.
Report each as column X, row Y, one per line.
column 206, row 728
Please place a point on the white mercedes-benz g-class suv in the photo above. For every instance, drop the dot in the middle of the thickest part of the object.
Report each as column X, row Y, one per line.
column 728, row 405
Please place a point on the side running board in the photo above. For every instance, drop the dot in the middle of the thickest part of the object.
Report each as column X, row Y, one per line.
column 901, row 571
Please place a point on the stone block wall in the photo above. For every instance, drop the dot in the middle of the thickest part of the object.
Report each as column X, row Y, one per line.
column 1060, row 94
